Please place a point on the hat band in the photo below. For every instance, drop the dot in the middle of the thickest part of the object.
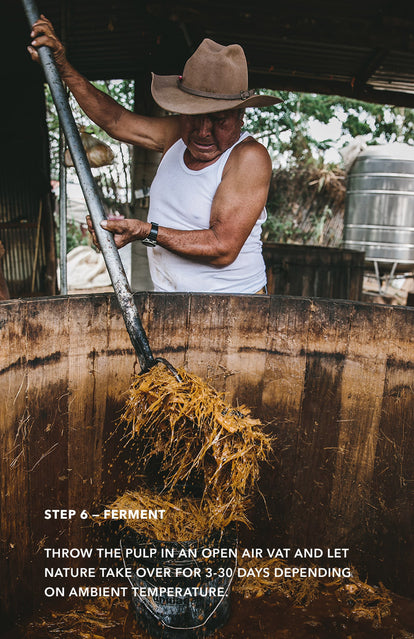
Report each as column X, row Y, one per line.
column 243, row 95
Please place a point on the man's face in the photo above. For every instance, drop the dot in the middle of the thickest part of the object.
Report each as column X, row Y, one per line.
column 207, row 136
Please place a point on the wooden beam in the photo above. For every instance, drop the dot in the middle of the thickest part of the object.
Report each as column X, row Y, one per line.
column 365, row 92
column 370, row 66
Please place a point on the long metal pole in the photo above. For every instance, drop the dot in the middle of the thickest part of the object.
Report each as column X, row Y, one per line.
column 63, row 235
column 63, row 213
column 105, row 238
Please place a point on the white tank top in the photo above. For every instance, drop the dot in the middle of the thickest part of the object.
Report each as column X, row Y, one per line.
column 181, row 198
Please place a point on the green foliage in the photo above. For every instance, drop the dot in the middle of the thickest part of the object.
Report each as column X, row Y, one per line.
column 305, row 206
column 285, row 128
column 282, row 227
column 114, row 180
column 74, row 236
column 281, row 224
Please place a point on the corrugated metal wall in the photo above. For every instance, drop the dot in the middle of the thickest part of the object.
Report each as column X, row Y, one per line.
column 26, row 221
column 23, row 235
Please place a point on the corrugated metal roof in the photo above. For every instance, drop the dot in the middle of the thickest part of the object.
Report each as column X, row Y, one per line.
column 362, row 49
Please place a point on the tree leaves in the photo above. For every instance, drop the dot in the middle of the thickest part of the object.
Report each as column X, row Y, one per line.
column 114, row 180
column 286, row 128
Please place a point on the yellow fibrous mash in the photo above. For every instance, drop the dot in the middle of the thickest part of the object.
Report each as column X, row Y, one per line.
column 196, row 437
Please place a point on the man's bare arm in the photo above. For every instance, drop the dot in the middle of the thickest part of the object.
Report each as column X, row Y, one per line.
column 236, row 207
column 151, row 133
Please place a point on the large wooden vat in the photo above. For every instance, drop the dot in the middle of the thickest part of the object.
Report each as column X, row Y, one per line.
column 333, row 380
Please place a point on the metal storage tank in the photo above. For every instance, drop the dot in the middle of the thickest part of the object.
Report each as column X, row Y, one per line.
column 379, row 207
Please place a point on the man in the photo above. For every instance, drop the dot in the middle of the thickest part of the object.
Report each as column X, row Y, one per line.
column 208, row 197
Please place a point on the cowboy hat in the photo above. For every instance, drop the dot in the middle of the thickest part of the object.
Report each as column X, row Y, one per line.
column 215, row 78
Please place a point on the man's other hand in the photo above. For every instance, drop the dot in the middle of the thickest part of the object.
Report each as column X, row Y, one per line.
column 124, row 231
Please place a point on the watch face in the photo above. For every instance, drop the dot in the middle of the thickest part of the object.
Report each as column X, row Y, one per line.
column 148, row 242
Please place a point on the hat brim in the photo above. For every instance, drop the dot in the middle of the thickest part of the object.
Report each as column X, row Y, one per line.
column 168, row 96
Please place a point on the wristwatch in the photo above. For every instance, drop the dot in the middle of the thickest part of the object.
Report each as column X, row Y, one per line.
column 151, row 240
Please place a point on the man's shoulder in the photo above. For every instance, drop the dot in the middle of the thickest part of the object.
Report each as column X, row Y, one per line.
column 172, row 130
column 250, row 153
